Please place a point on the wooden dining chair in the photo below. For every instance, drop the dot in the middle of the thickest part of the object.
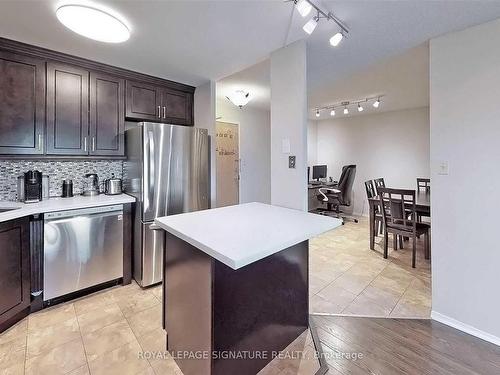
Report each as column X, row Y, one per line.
column 371, row 193
column 394, row 204
column 424, row 184
column 379, row 182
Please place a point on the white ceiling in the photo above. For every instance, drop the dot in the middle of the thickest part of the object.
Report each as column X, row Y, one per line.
column 193, row 41
column 403, row 80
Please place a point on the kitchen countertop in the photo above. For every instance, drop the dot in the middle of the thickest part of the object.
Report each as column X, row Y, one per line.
column 60, row 204
column 243, row 234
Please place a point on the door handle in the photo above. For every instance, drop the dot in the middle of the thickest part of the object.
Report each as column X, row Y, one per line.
column 164, row 112
column 159, row 111
column 40, row 142
column 93, row 143
column 85, row 143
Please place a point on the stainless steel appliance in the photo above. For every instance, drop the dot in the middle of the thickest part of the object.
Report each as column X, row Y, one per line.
column 113, row 185
column 45, row 186
column 20, row 188
column 91, row 185
column 167, row 171
column 32, row 186
column 82, row 248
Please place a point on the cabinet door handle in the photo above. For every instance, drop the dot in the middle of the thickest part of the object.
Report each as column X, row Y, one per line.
column 40, row 142
column 93, row 143
column 85, row 143
column 164, row 112
column 159, row 111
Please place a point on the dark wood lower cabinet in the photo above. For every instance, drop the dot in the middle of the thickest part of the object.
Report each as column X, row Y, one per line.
column 14, row 272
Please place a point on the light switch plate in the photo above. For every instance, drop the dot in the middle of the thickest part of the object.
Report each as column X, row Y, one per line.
column 443, row 168
column 291, row 161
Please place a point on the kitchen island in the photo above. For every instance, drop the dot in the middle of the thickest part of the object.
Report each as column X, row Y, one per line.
column 236, row 290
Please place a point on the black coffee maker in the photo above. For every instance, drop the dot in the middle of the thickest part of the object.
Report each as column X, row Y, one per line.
column 32, row 186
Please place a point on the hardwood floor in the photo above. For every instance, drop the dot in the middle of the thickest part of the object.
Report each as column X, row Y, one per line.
column 355, row 345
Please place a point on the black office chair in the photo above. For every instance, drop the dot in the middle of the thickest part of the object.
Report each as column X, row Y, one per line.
column 338, row 195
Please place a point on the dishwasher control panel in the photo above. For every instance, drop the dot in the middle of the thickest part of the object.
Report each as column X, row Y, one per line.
column 83, row 211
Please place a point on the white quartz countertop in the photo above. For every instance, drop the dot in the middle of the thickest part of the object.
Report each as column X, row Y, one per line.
column 243, row 234
column 60, row 204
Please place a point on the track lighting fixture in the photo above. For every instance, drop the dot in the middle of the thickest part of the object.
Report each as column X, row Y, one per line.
column 310, row 25
column 304, row 7
column 351, row 103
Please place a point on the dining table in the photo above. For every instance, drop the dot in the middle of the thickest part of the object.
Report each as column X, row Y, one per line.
column 422, row 206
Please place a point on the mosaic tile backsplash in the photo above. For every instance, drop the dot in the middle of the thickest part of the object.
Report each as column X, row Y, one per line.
column 58, row 171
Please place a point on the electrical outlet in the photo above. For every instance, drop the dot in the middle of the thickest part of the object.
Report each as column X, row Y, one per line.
column 291, row 162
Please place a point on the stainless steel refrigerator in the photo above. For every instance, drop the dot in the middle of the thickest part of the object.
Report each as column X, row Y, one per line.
column 167, row 171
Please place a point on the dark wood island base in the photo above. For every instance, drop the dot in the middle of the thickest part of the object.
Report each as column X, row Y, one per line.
column 225, row 321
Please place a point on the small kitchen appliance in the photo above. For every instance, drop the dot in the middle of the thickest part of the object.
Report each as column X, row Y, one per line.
column 113, row 185
column 91, row 185
column 32, row 187
column 67, row 188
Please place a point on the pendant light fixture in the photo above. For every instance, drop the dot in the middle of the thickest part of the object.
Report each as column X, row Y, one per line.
column 303, row 7
column 239, row 98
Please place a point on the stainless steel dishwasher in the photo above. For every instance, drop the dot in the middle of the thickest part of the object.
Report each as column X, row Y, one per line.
column 82, row 248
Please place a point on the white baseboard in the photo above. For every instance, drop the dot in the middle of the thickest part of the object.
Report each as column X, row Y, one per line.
column 464, row 327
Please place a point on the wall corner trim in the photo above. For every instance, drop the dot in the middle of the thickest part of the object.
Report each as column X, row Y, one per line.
column 464, row 327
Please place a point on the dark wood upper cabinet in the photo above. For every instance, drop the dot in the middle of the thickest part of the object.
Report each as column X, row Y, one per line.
column 22, row 104
column 143, row 101
column 107, row 120
column 67, row 110
column 14, row 271
column 177, row 107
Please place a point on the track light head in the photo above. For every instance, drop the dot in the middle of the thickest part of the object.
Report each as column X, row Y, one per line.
column 346, row 111
column 332, row 112
column 317, row 113
column 360, row 108
column 310, row 25
column 376, row 103
column 303, row 7
column 336, row 39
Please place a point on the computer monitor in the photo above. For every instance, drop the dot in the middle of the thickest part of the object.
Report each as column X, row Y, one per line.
column 319, row 171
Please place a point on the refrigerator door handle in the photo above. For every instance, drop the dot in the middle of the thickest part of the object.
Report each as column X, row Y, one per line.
column 150, row 172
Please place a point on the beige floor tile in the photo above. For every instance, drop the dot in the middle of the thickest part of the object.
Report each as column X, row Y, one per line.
column 384, row 298
column 92, row 303
column 337, row 295
column 99, row 318
column 410, row 310
column 319, row 305
column 50, row 316
column 155, row 342
column 148, row 371
column 157, row 291
column 20, row 329
column 146, row 321
column 121, row 361
column 60, row 360
column 352, row 283
column 366, row 307
column 17, row 369
column 107, row 339
column 137, row 302
column 390, row 285
column 12, row 352
column 44, row 339
column 84, row 370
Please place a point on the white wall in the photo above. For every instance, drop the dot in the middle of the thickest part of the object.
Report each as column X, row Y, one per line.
column 289, row 122
column 393, row 145
column 465, row 132
column 312, row 142
column 204, row 117
column 255, row 149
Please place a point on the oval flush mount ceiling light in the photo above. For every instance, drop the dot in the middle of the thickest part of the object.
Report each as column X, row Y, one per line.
column 93, row 23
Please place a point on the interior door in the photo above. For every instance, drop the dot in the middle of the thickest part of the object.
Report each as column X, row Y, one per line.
column 228, row 164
